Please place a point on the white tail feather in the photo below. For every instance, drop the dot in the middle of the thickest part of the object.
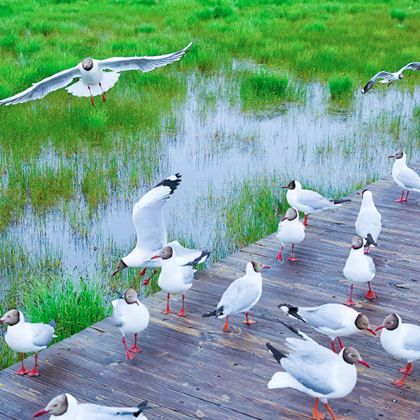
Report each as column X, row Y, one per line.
column 281, row 380
column 82, row 89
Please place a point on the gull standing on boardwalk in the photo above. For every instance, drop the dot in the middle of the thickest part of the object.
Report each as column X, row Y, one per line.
column 150, row 227
column 290, row 231
column 241, row 296
column 401, row 341
column 368, row 223
column 96, row 76
column 25, row 337
column 177, row 274
column 131, row 317
column 332, row 319
column 404, row 176
column 359, row 268
column 66, row 407
column 316, row 370
column 308, row 201
column 388, row 78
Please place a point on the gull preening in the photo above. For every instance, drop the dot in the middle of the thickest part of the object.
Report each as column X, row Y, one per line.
column 177, row 274
column 332, row 319
column 316, row 370
column 401, row 341
column 359, row 268
column 26, row 337
column 95, row 76
column 241, row 295
column 368, row 223
column 131, row 317
column 405, row 177
column 388, row 78
column 66, row 407
column 290, row 231
column 150, row 227
column 308, row 201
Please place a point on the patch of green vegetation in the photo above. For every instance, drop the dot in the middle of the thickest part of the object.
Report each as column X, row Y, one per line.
column 340, row 87
column 399, row 14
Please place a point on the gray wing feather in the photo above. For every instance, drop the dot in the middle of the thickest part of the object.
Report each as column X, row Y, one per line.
column 42, row 334
column 409, row 178
column 411, row 66
column 372, row 81
column 144, row 64
column 42, row 88
column 314, row 200
column 321, row 317
column 412, row 337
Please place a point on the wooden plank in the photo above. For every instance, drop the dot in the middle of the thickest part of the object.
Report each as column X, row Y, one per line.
column 189, row 368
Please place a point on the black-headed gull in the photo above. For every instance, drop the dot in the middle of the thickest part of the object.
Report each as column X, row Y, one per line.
column 131, row 317
column 332, row 319
column 404, row 176
column 290, row 231
column 177, row 274
column 150, row 226
column 368, row 223
column 241, row 295
column 388, row 78
column 66, row 407
column 401, row 341
column 96, row 76
column 316, row 370
column 25, row 337
column 308, row 201
column 359, row 268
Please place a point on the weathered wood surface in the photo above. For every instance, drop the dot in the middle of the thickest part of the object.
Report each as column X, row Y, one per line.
column 189, row 368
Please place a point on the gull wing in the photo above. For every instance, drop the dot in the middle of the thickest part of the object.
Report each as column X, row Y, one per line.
column 143, row 64
column 45, row 86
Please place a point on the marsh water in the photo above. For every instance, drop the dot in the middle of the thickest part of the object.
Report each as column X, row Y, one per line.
column 217, row 145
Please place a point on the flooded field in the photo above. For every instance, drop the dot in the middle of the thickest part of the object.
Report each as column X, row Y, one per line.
column 233, row 158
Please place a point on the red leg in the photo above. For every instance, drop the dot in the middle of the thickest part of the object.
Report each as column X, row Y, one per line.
column 316, row 415
column 248, row 321
column 34, row 371
column 167, row 310
column 280, row 254
column 401, row 200
column 367, row 249
column 406, row 197
column 350, row 302
column 226, row 326
column 401, row 382
column 128, row 354
column 305, row 220
column 103, row 94
column 292, row 258
column 340, row 343
column 91, row 97
column 22, row 370
column 182, row 311
column 370, row 295
column 141, row 273
column 333, row 346
column 146, row 281
column 134, row 347
column 408, row 369
column 332, row 413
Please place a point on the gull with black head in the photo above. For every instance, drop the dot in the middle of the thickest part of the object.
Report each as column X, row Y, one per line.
column 290, row 231
column 95, row 76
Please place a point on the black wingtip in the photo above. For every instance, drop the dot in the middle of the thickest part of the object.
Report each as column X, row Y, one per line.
column 370, row 240
column 200, row 259
column 277, row 354
column 172, row 182
column 52, row 323
column 215, row 313
column 292, row 311
column 345, row 200
column 294, row 330
column 141, row 407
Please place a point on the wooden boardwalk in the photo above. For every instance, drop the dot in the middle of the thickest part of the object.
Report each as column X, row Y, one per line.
column 189, row 368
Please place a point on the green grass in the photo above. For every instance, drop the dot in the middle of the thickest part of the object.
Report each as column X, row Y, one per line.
column 340, row 87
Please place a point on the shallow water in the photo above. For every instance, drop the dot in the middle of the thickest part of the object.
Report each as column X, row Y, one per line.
column 216, row 145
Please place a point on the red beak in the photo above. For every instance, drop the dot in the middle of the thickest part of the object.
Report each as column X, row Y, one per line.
column 1, row 322
column 391, row 156
column 371, row 331
column 266, row 266
column 363, row 363
column 40, row 413
column 155, row 257
column 380, row 328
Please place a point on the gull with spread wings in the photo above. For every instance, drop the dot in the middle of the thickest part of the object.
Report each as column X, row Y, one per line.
column 95, row 76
